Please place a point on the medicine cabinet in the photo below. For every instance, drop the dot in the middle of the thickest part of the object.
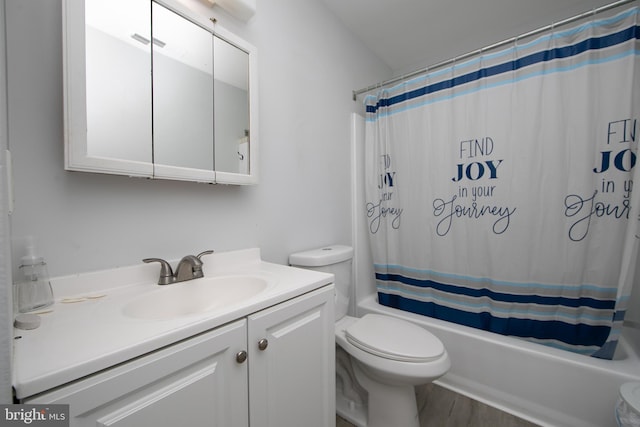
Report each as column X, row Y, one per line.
column 153, row 90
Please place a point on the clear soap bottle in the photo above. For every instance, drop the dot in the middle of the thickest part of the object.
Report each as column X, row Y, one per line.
column 34, row 290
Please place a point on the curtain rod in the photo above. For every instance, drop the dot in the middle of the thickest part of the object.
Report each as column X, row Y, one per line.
column 425, row 70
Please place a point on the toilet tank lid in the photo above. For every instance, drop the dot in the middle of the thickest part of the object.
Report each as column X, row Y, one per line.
column 323, row 256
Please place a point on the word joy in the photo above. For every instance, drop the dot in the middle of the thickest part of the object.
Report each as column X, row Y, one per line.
column 387, row 179
column 476, row 170
column 624, row 161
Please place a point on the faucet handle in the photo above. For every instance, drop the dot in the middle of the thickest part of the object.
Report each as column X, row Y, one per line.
column 201, row 254
column 166, row 273
column 195, row 266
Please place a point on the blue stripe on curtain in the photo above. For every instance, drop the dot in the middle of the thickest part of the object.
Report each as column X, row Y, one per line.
column 498, row 296
column 594, row 43
column 601, row 291
column 552, row 333
column 574, row 334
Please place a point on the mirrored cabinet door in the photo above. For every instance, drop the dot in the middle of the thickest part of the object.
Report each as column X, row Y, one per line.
column 235, row 109
column 183, row 95
column 107, row 87
column 231, row 88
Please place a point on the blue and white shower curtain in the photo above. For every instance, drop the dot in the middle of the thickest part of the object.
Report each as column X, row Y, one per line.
column 499, row 190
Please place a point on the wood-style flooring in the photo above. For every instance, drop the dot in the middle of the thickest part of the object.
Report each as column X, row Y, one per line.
column 439, row 407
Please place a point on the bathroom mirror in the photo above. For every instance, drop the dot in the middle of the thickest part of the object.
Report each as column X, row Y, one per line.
column 183, row 119
column 118, row 85
column 231, row 88
column 157, row 92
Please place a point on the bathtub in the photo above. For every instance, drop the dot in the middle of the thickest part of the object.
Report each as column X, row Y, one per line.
column 546, row 386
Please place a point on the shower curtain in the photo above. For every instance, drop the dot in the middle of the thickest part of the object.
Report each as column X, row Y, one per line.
column 499, row 190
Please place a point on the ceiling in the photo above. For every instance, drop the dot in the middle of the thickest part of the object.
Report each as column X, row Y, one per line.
column 409, row 34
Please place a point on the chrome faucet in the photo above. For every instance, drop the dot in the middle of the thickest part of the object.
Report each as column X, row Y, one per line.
column 189, row 268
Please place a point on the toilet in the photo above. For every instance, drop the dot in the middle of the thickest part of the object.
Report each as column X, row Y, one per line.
column 379, row 359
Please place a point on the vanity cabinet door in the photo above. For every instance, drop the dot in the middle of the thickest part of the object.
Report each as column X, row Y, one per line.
column 291, row 350
column 197, row 382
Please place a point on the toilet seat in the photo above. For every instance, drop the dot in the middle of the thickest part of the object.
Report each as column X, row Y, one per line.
column 386, row 369
column 394, row 339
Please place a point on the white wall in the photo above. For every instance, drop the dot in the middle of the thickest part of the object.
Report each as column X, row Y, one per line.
column 6, row 312
column 308, row 65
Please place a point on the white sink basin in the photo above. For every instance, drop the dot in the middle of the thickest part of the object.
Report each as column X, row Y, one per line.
column 194, row 296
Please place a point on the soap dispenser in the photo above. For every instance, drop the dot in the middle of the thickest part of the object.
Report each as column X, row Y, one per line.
column 34, row 291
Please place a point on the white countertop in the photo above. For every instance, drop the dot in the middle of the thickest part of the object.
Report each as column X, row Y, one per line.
column 79, row 338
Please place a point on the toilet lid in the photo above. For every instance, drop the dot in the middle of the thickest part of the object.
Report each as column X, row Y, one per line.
column 394, row 339
column 630, row 392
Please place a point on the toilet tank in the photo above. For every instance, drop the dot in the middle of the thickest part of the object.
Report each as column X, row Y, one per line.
column 334, row 259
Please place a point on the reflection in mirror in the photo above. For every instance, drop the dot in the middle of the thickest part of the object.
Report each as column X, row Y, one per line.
column 118, row 79
column 231, row 86
column 182, row 91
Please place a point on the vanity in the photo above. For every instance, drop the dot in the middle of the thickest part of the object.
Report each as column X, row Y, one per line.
column 250, row 343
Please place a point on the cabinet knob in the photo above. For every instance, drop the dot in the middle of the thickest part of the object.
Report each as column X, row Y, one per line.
column 241, row 356
column 263, row 344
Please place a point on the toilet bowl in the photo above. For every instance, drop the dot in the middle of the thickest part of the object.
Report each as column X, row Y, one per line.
column 403, row 354
column 388, row 356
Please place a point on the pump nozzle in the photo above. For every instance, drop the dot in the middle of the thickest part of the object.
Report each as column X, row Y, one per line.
column 30, row 259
